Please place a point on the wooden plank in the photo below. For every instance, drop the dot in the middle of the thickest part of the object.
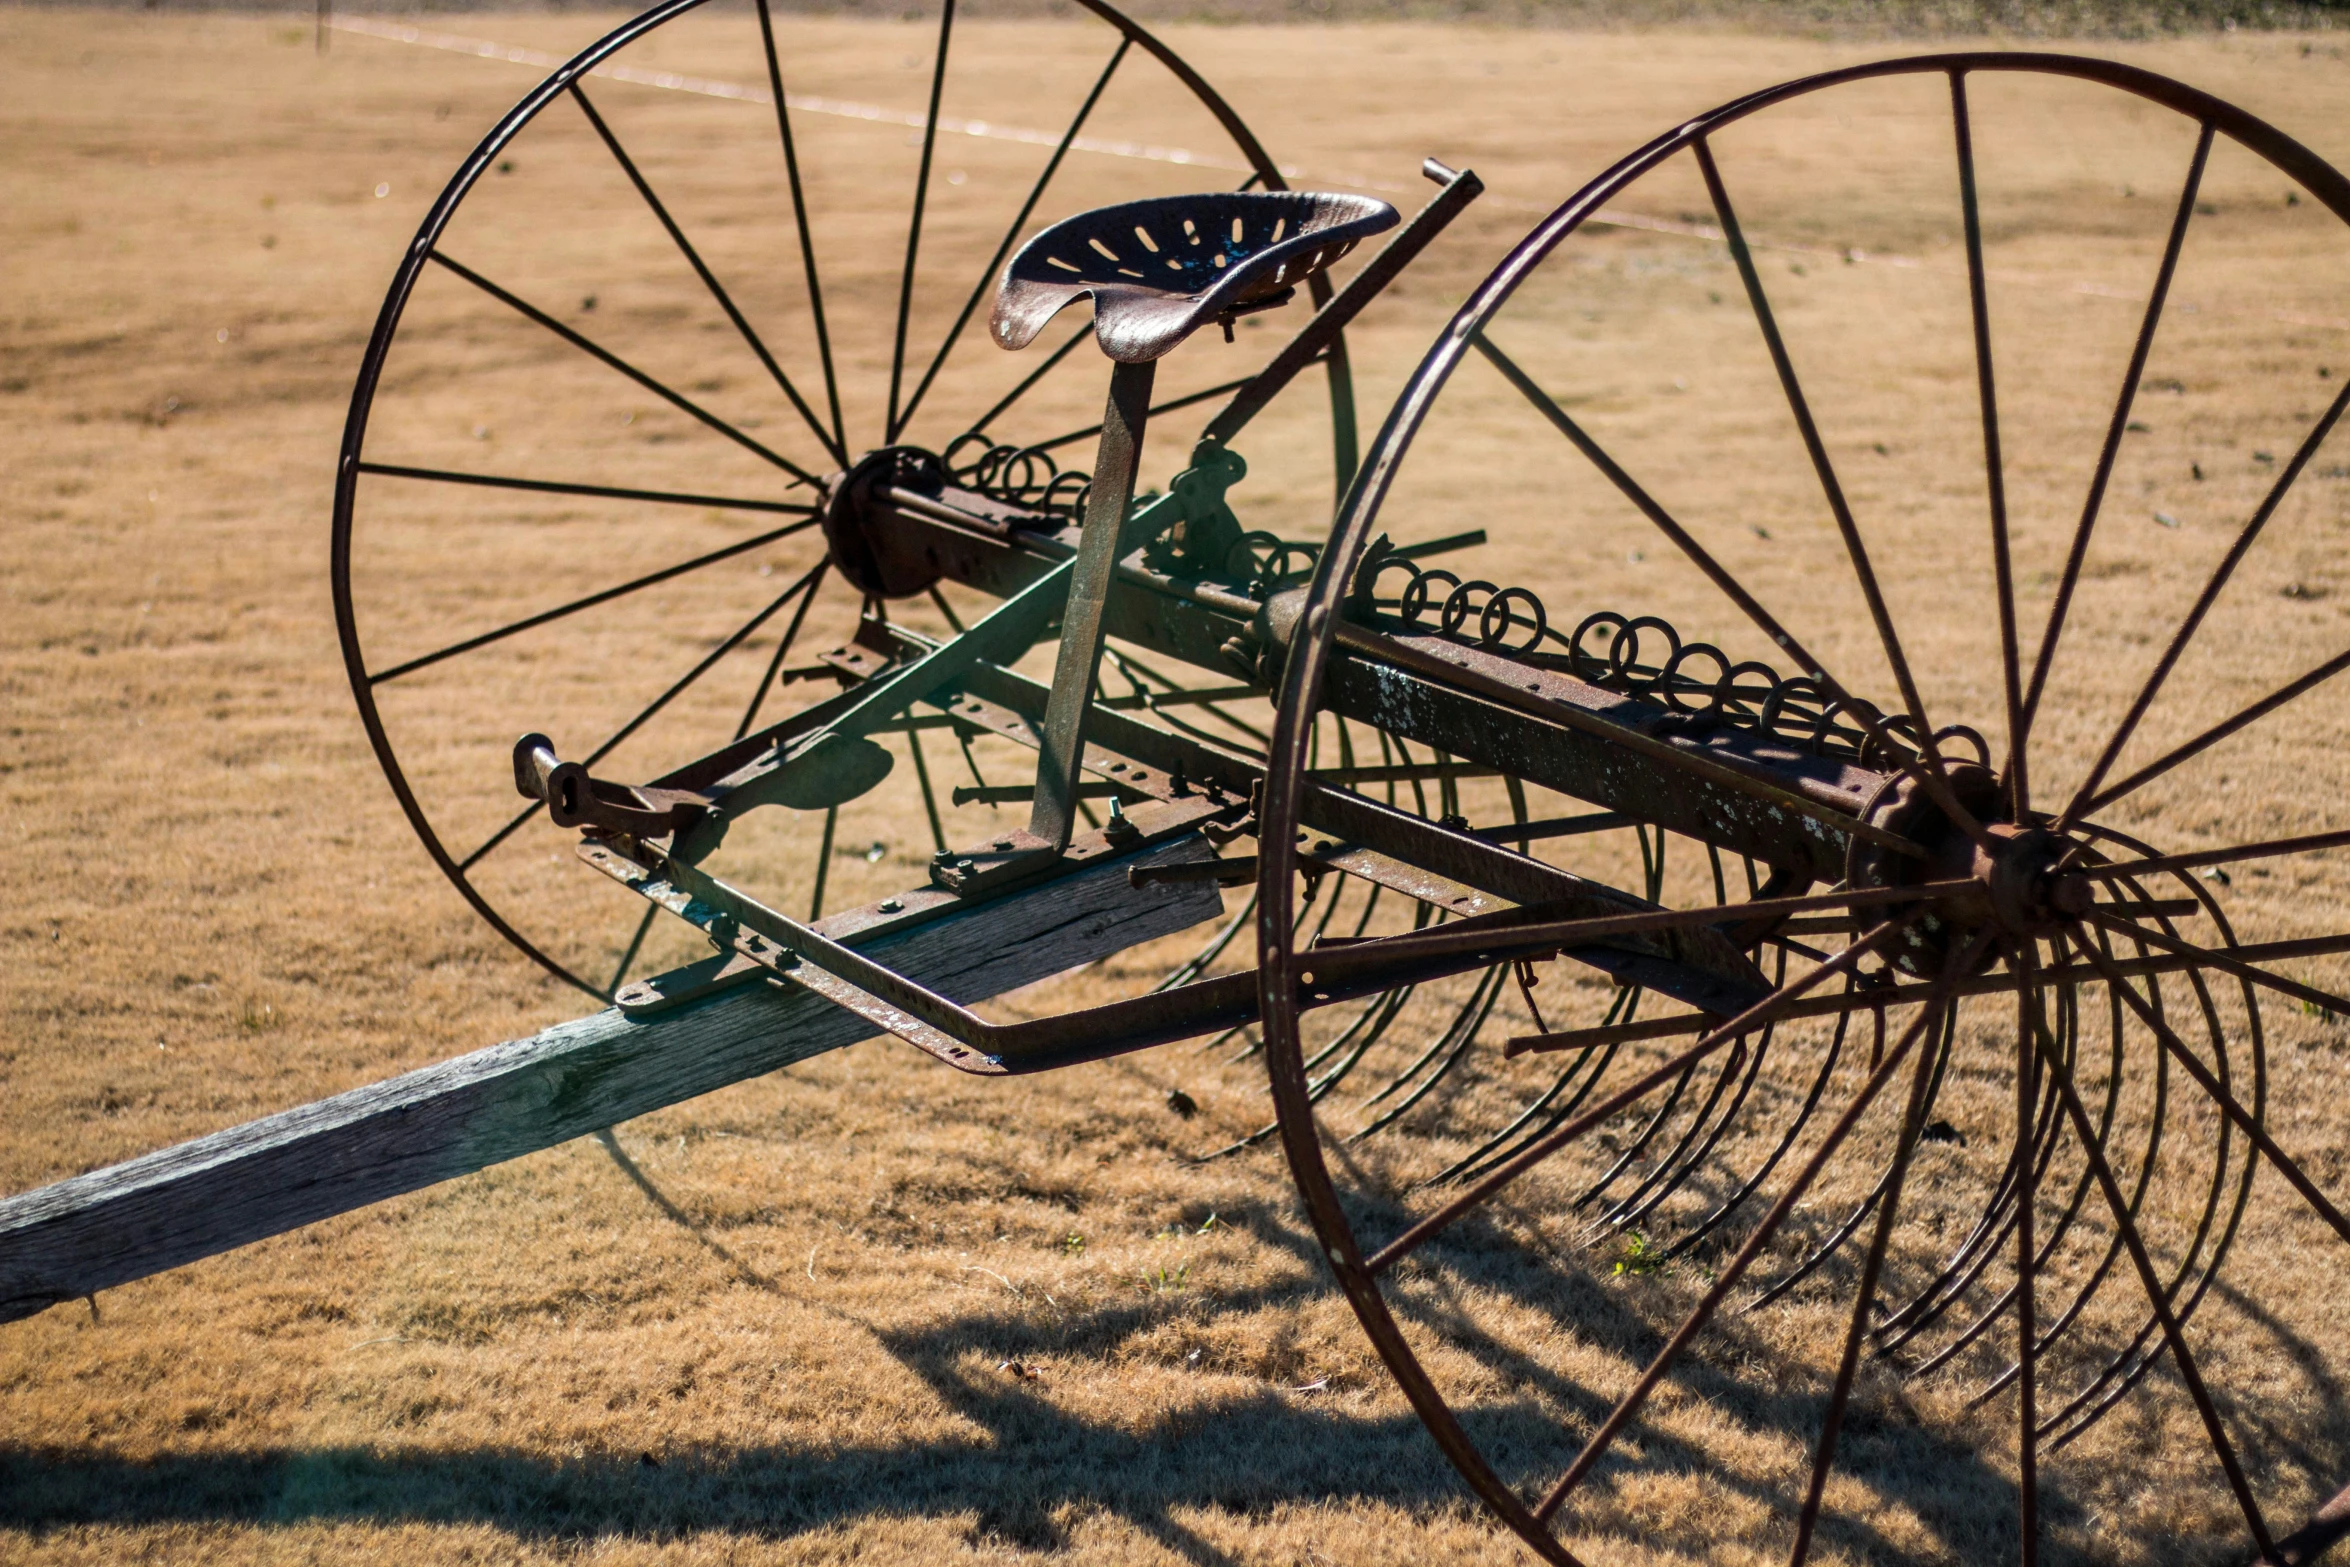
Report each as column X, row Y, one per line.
column 161, row 1210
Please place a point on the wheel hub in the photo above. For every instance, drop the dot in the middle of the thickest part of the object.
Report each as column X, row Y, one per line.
column 2021, row 887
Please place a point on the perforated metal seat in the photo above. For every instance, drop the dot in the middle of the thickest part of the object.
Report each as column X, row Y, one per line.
column 1160, row 269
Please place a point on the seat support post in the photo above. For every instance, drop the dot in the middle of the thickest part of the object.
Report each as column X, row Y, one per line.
column 1117, row 460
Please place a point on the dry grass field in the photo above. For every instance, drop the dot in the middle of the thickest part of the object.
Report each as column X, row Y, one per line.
column 772, row 1324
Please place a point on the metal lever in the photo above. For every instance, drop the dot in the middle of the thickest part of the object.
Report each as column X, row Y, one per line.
column 574, row 799
column 1461, row 186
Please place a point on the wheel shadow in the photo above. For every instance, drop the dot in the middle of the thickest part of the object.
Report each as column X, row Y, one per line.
column 1028, row 1471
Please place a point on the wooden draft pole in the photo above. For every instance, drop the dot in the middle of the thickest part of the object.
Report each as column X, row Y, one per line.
column 180, row 1204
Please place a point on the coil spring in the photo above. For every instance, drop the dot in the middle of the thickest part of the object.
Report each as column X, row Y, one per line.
column 1026, row 477
column 1696, row 679
column 1018, row 476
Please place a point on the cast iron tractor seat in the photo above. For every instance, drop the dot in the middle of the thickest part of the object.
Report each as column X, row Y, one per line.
column 1159, row 269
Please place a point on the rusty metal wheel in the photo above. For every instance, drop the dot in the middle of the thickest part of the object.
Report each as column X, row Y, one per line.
column 1974, row 583
column 651, row 322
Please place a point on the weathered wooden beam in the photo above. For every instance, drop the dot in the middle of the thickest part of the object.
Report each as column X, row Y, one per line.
column 179, row 1204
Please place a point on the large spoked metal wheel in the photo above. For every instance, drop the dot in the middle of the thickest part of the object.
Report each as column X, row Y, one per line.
column 714, row 261
column 1928, row 493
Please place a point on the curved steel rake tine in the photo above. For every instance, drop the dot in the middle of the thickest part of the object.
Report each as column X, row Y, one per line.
column 1676, row 1168
column 2113, row 1251
column 1735, row 1059
column 1730, row 1205
column 1492, row 1149
column 1491, row 988
column 1656, row 1123
column 1990, row 1249
column 1673, row 1176
column 1447, row 1037
column 2051, row 1237
column 1389, row 1002
column 1983, row 1244
column 2082, row 1412
column 1199, row 962
column 1477, row 1167
column 1867, row 1205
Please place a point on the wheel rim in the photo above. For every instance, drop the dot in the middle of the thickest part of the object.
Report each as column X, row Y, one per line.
column 929, row 371
column 2084, row 1154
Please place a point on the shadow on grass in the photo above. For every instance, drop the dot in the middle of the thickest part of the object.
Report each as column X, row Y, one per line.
column 1030, row 1471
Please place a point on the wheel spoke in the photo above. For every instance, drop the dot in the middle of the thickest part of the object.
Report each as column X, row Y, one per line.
column 1745, row 1022
column 2266, row 849
column 2017, row 775
column 635, row 942
column 1515, row 931
column 594, row 350
column 645, row 715
column 1864, row 1298
column 709, row 279
column 2181, row 1356
column 987, row 274
column 1856, row 552
column 938, row 832
column 799, row 207
column 2209, row 1082
column 823, row 864
column 2115, row 429
column 938, row 82
column 733, row 640
column 814, row 580
column 2202, row 606
column 2220, row 731
column 1651, row 508
column 2205, row 957
column 2027, row 1303
column 1691, row 1325
column 576, row 605
column 501, row 835
column 595, row 491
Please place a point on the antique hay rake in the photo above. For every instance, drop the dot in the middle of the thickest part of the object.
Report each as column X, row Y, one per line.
column 1835, row 896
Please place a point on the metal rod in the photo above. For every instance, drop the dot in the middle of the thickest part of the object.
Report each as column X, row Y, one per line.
column 799, row 207
column 2115, row 429
column 2018, row 777
column 938, row 82
column 987, row 274
column 709, row 279
column 576, row 605
column 2204, row 957
column 1903, row 995
column 2203, row 601
column 2265, row 849
column 588, row 346
column 1171, row 405
column 598, row 491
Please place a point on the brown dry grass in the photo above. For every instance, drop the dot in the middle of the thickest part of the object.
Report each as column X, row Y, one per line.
column 767, row 1325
